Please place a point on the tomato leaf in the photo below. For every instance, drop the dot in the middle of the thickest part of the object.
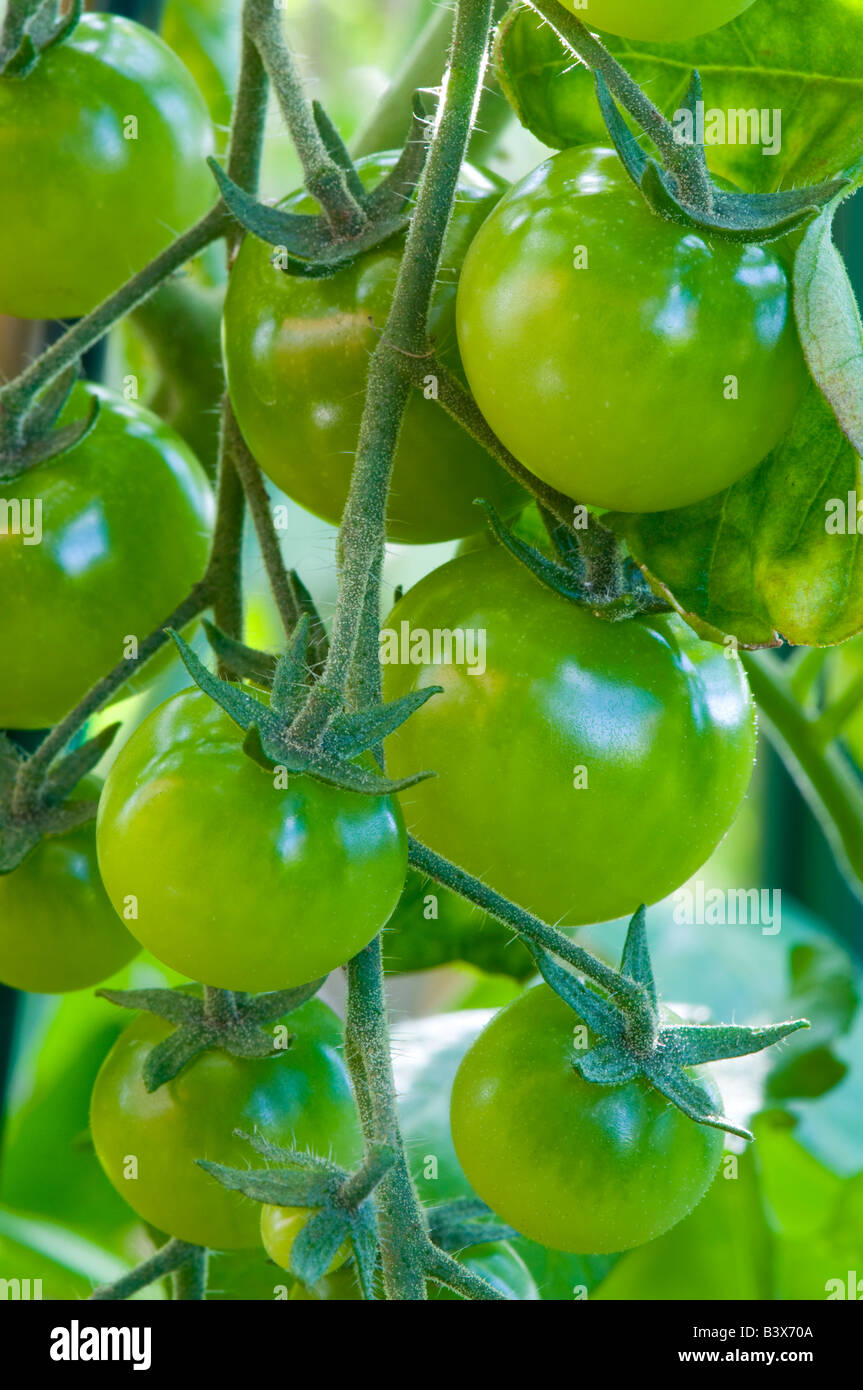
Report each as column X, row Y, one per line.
column 828, row 320
column 801, row 60
column 776, row 555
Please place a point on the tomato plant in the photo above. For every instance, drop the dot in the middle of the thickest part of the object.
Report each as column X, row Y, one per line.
column 322, row 868
column 148, row 1141
column 592, row 734
column 58, row 930
column 570, row 1163
column 296, row 356
column 607, row 347
column 109, row 119
column 659, row 21
column 120, row 535
column 642, row 359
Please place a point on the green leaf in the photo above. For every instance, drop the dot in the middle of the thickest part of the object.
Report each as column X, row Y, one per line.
column 828, row 320
column 791, row 56
column 758, row 561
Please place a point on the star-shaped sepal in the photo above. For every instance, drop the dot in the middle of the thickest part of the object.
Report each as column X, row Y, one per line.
column 630, row 1037
column 613, row 588
column 270, row 741
column 688, row 195
column 26, row 36
column 33, row 436
column 230, row 1021
column 45, row 809
column 340, row 1201
column 309, row 243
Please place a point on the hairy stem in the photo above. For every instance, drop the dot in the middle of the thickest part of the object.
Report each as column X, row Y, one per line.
column 171, row 1257
column 322, row 176
column 189, row 1282
column 693, row 180
column 262, row 517
column 17, row 395
column 460, row 404
column 622, row 990
column 363, row 530
column 403, row 1236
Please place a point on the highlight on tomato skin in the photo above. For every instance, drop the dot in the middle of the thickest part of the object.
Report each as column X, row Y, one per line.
column 608, row 347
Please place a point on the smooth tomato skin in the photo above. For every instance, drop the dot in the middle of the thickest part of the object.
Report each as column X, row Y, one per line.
column 609, row 382
column 107, row 204
column 661, row 722
column 300, row 1099
column 280, row 1227
column 657, row 21
column 238, row 883
column 126, row 518
column 58, row 929
column 297, row 357
column 573, row 1165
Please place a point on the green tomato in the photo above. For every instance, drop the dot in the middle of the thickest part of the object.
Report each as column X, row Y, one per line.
column 591, row 767
column 280, row 1227
column 627, row 361
column 574, row 1165
column 657, row 21
column 237, row 881
column 125, row 522
column 114, row 134
column 297, row 357
column 432, row 926
column 58, row 930
column 148, row 1142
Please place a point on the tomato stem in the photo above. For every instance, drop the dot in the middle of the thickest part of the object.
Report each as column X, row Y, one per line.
column 172, row 1256
column 692, row 177
column 189, row 1282
column 323, row 178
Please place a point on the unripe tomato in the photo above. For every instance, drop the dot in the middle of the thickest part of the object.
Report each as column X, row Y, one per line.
column 571, row 1164
column 297, row 358
column 280, row 1227
column 231, row 877
column 148, row 1141
column 103, row 150
column 658, row 21
column 630, row 362
column 123, row 534
column 589, row 766
column 58, row 930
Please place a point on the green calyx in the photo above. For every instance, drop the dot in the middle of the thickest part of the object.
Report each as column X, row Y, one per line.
column 33, row 436
column 33, row 808
column 590, row 568
column 311, row 244
column 635, row 1042
column 270, row 740
column 340, row 1201
column 232, row 1022
column 688, row 195
column 31, row 28
column 466, row 1221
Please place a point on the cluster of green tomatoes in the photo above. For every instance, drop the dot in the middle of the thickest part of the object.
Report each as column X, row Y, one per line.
column 591, row 767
